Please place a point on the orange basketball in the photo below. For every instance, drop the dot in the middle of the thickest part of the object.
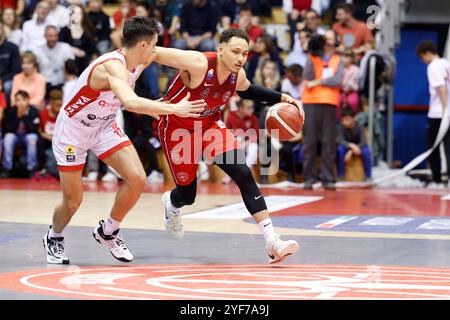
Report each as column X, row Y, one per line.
column 285, row 118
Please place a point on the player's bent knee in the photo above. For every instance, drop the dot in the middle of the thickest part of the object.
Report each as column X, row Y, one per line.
column 137, row 179
column 72, row 204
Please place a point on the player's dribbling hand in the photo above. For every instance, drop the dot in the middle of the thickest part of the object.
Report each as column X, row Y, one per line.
column 287, row 98
column 189, row 109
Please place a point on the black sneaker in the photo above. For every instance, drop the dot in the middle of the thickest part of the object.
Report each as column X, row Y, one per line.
column 329, row 185
column 308, row 185
column 114, row 243
column 54, row 248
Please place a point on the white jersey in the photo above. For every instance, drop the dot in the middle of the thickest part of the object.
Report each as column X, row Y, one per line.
column 93, row 108
column 438, row 72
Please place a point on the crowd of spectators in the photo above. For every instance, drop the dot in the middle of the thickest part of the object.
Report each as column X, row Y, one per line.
column 45, row 45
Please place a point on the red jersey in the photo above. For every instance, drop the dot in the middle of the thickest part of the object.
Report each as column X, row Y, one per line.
column 216, row 95
column 47, row 121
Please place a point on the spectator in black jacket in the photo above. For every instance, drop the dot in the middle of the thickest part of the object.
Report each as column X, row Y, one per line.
column 198, row 26
column 20, row 127
column 100, row 20
column 9, row 61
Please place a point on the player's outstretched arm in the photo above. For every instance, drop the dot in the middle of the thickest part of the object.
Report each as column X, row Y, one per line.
column 189, row 60
column 246, row 90
column 117, row 75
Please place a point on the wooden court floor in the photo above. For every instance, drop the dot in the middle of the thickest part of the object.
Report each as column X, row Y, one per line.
column 354, row 244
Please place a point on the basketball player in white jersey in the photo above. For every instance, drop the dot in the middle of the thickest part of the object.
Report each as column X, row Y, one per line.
column 88, row 122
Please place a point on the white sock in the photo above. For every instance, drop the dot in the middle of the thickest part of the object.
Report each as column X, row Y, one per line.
column 266, row 227
column 53, row 234
column 110, row 226
column 171, row 207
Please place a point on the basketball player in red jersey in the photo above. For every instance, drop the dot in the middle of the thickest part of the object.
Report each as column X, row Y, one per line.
column 88, row 122
column 214, row 77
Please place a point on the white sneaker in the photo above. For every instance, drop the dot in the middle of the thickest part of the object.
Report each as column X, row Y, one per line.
column 278, row 250
column 434, row 185
column 155, row 177
column 54, row 248
column 92, row 176
column 114, row 243
column 172, row 220
column 203, row 173
column 110, row 177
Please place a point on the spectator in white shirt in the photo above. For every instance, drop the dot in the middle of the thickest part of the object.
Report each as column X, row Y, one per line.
column 58, row 15
column 292, row 84
column 438, row 73
column 52, row 57
column 33, row 30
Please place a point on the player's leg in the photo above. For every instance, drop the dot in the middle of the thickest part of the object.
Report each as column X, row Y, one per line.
column 72, row 190
column 70, row 153
column 184, row 172
column 231, row 159
column 116, row 150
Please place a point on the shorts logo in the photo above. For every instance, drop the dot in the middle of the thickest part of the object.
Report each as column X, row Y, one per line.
column 70, row 158
column 182, row 176
column 221, row 124
column 70, row 150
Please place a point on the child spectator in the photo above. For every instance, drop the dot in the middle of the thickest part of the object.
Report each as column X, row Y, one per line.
column 349, row 94
column 21, row 124
column 292, row 84
column 351, row 143
column 70, row 74
column 47, row 125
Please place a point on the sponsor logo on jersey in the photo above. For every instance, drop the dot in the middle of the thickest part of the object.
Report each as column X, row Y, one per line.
column 108, row 117
column 118, row 130
column 77, row 105
column 86, row 124
column 233, row 78
column 208, row 112
column 182, row 176
column 205, row 93
column 210, row 74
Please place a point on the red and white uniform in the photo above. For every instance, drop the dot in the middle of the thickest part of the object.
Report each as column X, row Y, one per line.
column 87, row 121
column 184, row 140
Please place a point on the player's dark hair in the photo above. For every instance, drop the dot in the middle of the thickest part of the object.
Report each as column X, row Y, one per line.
column 348, row 112
column 138, row 28
column 233, row 32
column 426, row 46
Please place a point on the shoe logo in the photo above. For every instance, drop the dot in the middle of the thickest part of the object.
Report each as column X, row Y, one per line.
column 267, row 224
column 256, row 198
